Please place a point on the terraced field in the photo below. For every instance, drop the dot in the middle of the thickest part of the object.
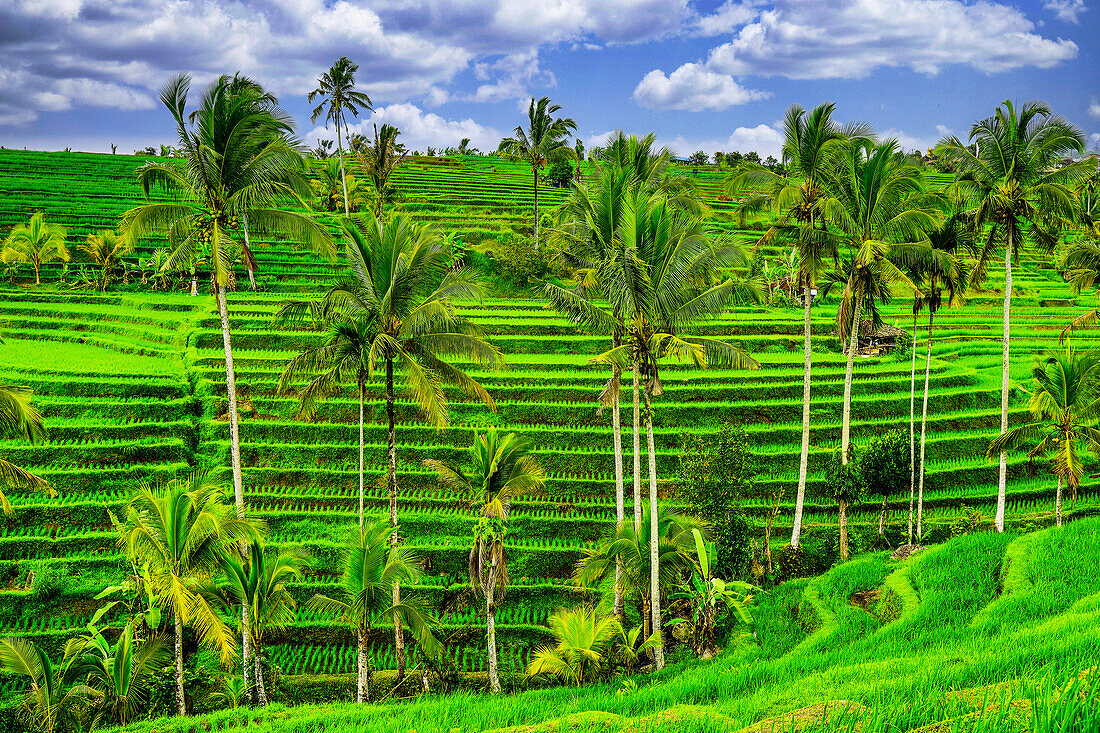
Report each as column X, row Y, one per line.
column 132, row 384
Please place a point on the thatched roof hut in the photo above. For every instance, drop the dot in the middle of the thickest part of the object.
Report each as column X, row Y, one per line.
column 881, row 340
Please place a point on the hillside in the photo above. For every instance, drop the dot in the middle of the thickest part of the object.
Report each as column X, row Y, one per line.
column 132, row 385
column 983, row 633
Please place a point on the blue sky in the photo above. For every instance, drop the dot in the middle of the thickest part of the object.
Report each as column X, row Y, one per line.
column 703, row 75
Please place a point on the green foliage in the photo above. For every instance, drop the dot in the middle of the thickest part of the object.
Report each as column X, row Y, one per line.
column 884, row 464
column 844, row 482
column 559, row 174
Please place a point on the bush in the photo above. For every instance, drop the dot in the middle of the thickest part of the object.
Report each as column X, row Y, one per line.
column 560, row 174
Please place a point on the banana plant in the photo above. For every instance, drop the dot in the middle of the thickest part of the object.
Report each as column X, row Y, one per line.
column 119, row 673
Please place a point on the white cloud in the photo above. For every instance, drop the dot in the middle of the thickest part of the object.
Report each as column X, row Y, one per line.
column 763, row 139
column 1094, row 108
column 1094, row 141
column 907, row 142
column 726, row 18
column 419, row 129
column 1067, row 10
column 692, row 87
column 801, row 39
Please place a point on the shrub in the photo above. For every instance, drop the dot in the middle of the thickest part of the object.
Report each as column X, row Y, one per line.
column 560, row 174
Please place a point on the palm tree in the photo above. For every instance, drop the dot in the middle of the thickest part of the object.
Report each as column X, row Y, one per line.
column 943, row 273
column 36, row 243
column 182, row 531
column 49, row 703
column 1065, row 408
column 18, row 416
column 259, row 586
column 501, row 468
column 336, row 88
column 1018, row 194
column 344, row 356
column 119, row 673
column 379, row 160
column 875, row 203
column 106, row 250
column 545, row 140
column 328, row 186
column 584, row 646
column 373, row 569
column 403, row 294
column 812, row 145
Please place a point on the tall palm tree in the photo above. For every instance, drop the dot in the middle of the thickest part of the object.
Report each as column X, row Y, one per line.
column 943, row 274
column 339, row 97
column 1065, row 408
column 545, row 140
column 373, row 569
column 501, row 468
column 379, row 159
column 259, row 585
column 181, row 530
column 875, row 203
column 812, row 144
column 20, row 417
column 106, row 249
column 344, row 356
column 50, row 702
column 328, row 186
column 36, row 243
column 1018, row 195
column 119, row 673
column 403, row 292
column 658, row 281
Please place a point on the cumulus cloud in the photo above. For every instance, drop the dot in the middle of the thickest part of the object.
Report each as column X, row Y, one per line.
column 852, row 38
column 907, row 142
column 419, row 129
column 693, row 87
column 728, row 17
column 1094, row 108
column 1067, row 10
column 1094, row 141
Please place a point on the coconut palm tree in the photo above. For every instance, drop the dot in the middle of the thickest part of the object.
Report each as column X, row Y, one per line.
column 339, row 97
column 1018, row 195
column 106, row 249
column 402, row 292
column 259, row 585
column 18, row 416
column 812, row 145
column 501, row 468
column 545, row 140
column 118, row 673
column 35, row 243
column 181, row 530
column 1065, row 407
column 328, row 186
column 583, row 650
column 378, row 161
column 875, row 203
column 373, row 569
column 344, row 356
column 50, row 702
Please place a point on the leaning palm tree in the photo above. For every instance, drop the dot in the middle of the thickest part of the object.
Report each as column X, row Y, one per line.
column 181, row 530
column 378, row 160
column 35, row 243
column 50, row 702
column 812, row 145
column 339, row 97
column 106, row 250
column 875, row 203
column 1065, row 408
column 545, row 140
column 259, row 585
column 373, row 569
column 501, row 468
column 1018, row 195
column 119, row 673
column 20, row 417
column 402, row 292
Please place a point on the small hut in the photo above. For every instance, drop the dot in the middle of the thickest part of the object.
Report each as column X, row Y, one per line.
column 878, row 341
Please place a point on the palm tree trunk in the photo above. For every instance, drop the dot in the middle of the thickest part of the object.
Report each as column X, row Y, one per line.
column 261, row 689
column 491, row 625
column 924, row 428
column 912, row 429
column 1002, row 473
column 1058, row 504
column 235, row 458
column 882, row 516
column 536, row 173
column 362, row 683
column 654, row 556
column 637, row 458
column 620, row 509
column 37, row 278
column 343, row 175
column 181, row 700
column 843, row 504
column 194, row 284
column 361, row 448
column 248, row 249
column 398, row 629
column 804, row 456
column 853, row 345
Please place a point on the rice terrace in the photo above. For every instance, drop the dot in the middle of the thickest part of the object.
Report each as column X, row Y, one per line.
column 314, row 417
